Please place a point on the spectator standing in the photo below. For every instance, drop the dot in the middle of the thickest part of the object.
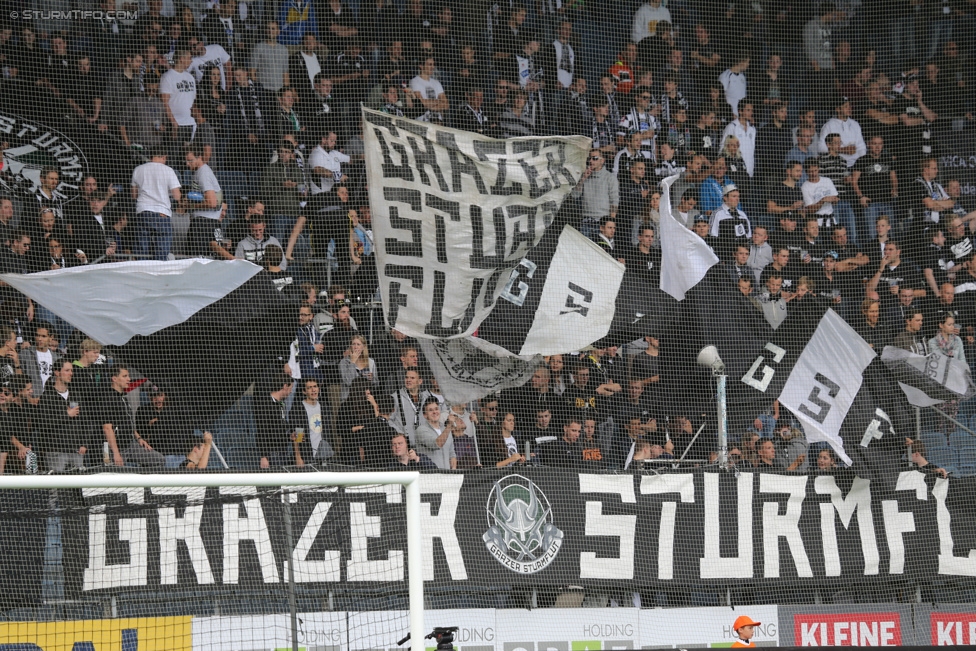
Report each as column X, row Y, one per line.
column 308, row 417
column 62, row 439
column 178, row 92
column 406, row 458
column 600, row 193
column 430, row 93
column 852, row 145
column 743, row 129
column 566, row 452
column 875, row 183
column 436, row 440
column 39, row 361
column 269, row 417
column 734, row 83
column 269, row 59
column 296, row 19
column 205, row 236
column 773, row 142
column 117, row 422
column 819, row 195
column 154, row 185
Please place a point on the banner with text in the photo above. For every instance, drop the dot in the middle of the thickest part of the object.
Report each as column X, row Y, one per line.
column 453, row 215
column 540, row 527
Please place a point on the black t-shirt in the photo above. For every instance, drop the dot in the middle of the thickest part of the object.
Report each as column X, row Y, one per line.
column 645, row 265
column 783, row 195
column 875, row 179
column 959, row 249
column 115, row 411
column 936, row 258
column 792, row 240
column 790, row 275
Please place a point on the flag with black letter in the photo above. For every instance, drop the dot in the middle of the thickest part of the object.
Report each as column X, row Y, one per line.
column 454, row 214
column 559, row 299
column 685, row 257
column 826, row 379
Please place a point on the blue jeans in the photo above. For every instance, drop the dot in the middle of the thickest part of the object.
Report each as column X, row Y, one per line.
column 871, row 214
column 154, row 233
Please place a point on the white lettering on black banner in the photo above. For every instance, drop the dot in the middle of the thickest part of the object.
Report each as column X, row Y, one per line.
column 455, row 213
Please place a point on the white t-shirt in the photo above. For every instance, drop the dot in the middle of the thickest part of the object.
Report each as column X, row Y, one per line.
column 45, row 364
column 329, row 160
column 314, row 413
column 312, row 65
column 154, row 181
column 646, row 20
column 203, row 180
column 216, row 56
column 814, row 192
column 511, row 445
column 182, row 90
column 428, row 89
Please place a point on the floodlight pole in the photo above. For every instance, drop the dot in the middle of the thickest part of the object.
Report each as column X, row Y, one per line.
column 723, row 427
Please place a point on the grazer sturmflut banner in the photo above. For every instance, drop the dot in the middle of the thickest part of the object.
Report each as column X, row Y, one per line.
column 455, row 213
column 33, row 146
column 537, row 527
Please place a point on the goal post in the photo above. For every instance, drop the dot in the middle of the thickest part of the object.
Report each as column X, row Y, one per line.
column 410, row 480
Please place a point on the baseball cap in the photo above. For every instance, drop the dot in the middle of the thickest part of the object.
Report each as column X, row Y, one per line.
column 744, row 620
column 842, row 100
column 701, row 218
column 729, row 188
column 832, row 254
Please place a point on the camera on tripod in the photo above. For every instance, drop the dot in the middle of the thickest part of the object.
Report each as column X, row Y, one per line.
column 443, row 634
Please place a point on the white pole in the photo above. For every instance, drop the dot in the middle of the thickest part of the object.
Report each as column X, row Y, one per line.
column 415, row 564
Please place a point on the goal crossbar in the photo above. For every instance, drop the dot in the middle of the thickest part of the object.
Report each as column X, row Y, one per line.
column 410, row 480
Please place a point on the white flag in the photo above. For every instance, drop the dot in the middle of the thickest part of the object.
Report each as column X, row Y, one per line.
column 929, row 380
column 685, row 257
column 578, row 300
column 117, row 301
column 825, row 380
column 469, row 368
column 454, row 214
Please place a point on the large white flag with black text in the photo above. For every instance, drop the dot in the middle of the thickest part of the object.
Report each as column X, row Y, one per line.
column 825, row 380
column 454, row 213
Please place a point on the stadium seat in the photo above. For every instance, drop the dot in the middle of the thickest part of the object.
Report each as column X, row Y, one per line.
column 234, row 185
column 938, row 451
column 963, row 445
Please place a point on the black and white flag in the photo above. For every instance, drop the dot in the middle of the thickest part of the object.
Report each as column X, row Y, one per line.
column 560, row 298
column 470, row 368
column 455, row 213
column 929, row 380
column 825, row 380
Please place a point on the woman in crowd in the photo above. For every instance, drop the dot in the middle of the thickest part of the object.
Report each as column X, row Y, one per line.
column 737, row 166
column 357, row 364
column 502, row 449
column 947, row 343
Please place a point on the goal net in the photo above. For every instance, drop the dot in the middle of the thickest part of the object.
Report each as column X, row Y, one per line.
column 310, row 561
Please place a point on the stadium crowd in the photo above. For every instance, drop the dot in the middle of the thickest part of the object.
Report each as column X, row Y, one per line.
column 807, row 136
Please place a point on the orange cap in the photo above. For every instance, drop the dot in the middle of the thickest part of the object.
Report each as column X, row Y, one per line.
column 744, row 620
